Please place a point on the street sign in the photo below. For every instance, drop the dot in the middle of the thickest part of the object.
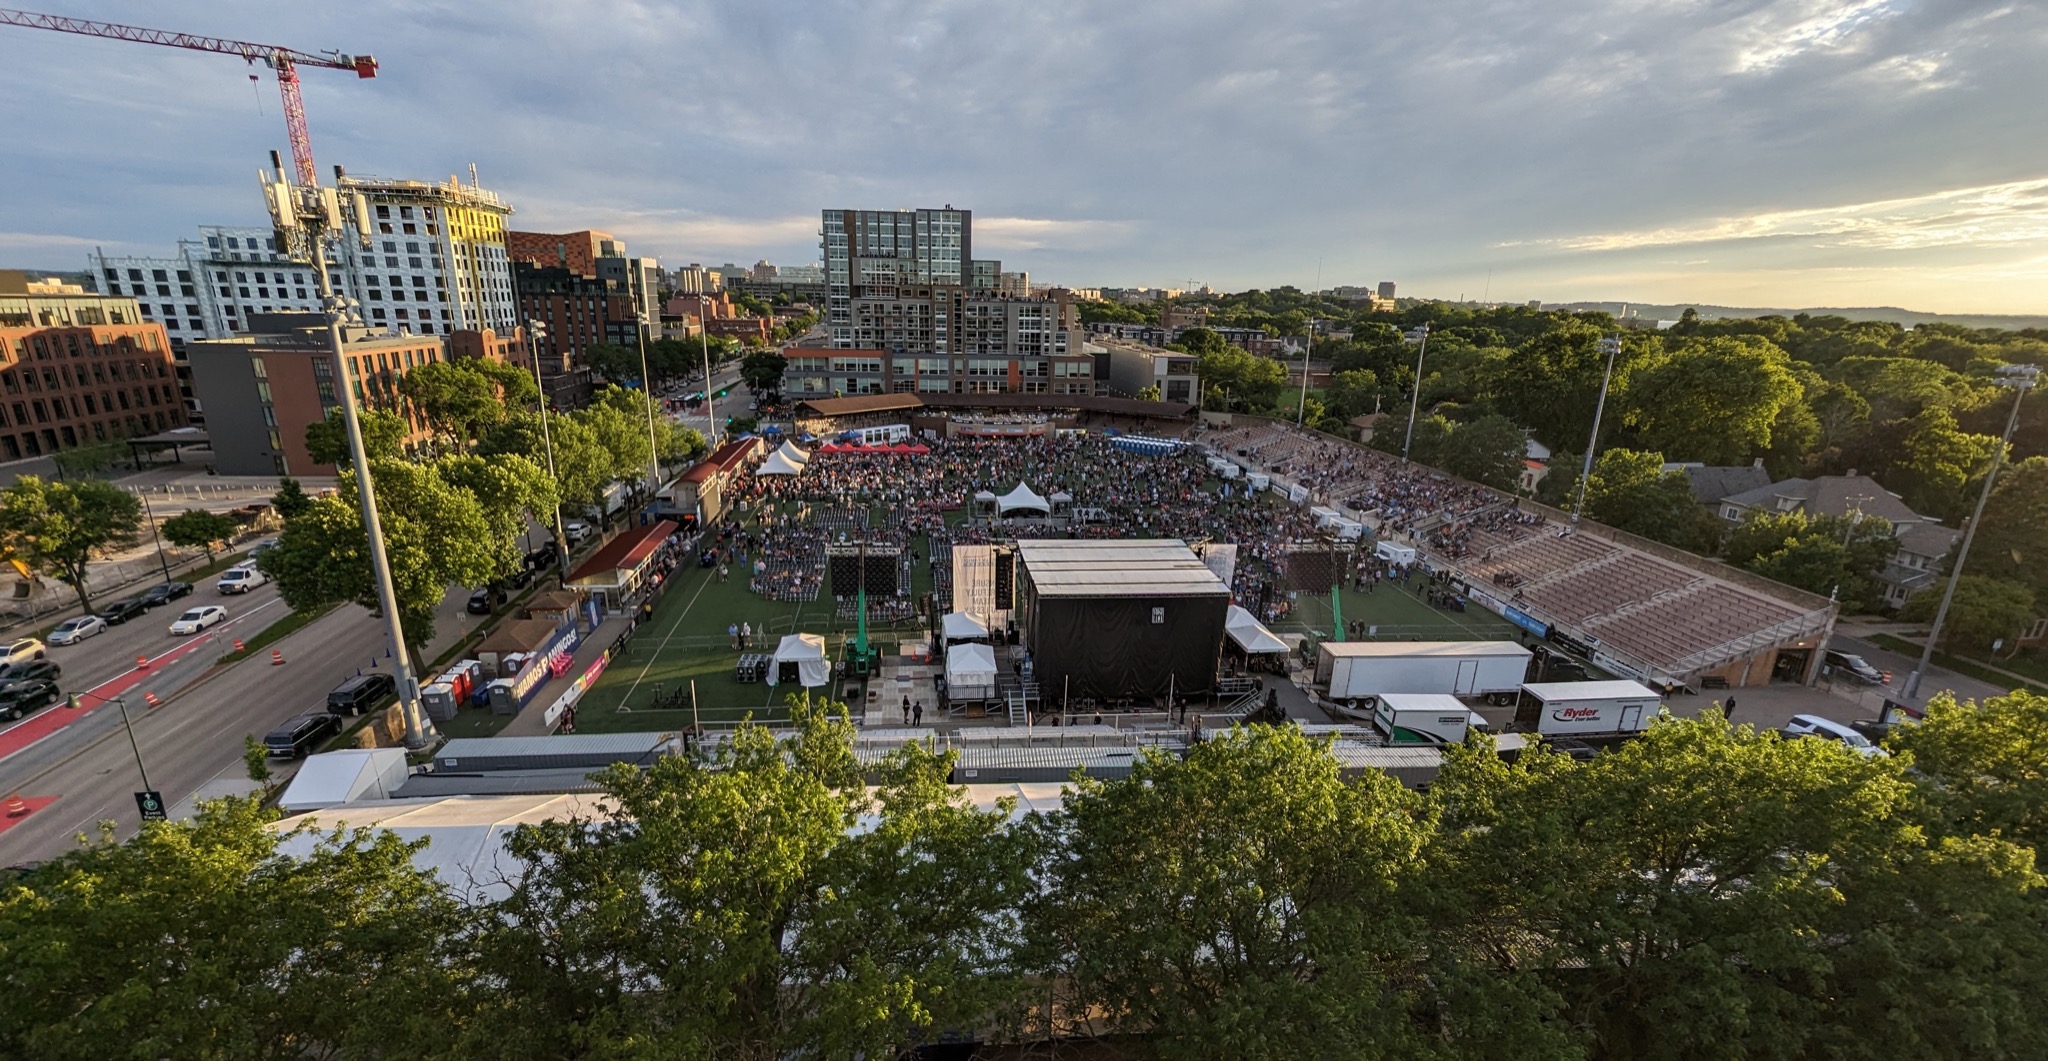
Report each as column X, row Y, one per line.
column 151, row 803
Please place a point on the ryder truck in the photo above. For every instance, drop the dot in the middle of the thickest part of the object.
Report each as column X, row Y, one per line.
column 1577, row 709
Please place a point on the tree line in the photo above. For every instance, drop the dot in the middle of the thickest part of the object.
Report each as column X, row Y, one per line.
column 1707, row 891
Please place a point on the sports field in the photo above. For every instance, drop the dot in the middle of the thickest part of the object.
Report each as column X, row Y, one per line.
column 686, row 641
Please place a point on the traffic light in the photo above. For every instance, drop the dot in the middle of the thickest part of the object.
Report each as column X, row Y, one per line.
column 725, row 392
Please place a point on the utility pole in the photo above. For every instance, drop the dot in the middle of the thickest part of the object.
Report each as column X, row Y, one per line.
column 1610, row 345
column 1420, row 336
column 2021, row 379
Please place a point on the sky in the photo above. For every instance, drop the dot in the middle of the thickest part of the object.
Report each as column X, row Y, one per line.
column 1780, row 153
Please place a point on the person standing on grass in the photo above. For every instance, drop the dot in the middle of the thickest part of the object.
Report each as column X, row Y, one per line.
column 746, row 634
column 732, row 634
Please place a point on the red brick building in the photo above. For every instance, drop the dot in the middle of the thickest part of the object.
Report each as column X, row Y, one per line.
column 489, row 345
column 79, row 369
column 577, row 252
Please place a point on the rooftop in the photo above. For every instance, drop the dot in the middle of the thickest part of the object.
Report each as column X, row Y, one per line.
column 1117, row 568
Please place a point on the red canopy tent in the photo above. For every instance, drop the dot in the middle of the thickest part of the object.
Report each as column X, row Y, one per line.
column 900, row 448
column 920, row 448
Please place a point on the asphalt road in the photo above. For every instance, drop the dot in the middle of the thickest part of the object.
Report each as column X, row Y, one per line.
column 91, row 772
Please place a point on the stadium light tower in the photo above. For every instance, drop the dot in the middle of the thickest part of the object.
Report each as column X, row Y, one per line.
column 2021, row 379
column 1418, row 336
column 1610, row 346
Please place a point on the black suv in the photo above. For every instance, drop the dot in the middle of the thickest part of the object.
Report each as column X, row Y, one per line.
column 165, row 592
column 43, row 670
column 123, row 610
column 480, row 602
column 299, row 736
column 360, row 693
column 25, row 697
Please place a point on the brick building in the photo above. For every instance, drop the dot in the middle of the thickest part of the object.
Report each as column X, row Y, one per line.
column 489, row 345
column 577, row 312
column 263, row 389
column 577, row 252
column 79, row 369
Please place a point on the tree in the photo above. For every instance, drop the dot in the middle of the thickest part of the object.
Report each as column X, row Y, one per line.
column 1148, row 393
column 383, row 436
column 341, row 948
column 463, row 399
column 1629, row 490
column 1940, row 462
column 1488, row 450
column 290, row 499
column 1353, row 393
column 1714, row 400
column 1251, row 382
column 1243, row 902
column 511, row 491
column 1828, row 555
column 762, row 371
column 256, row 758
column 1984, row 610
column 197, row 528
column 1984, row 761
column 615, row 363
column 2012, row 542
column 55, row 528
column 88, row 460
column 750, row 921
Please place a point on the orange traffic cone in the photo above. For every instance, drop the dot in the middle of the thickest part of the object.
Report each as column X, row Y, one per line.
column 238, row 645
column 142, row 663
column 276, row 658
column 152, row 699
column 16, row 807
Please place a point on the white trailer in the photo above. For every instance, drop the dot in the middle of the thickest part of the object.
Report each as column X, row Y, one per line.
column 1578, row 708
column 1355, row 670
column 1424, row 718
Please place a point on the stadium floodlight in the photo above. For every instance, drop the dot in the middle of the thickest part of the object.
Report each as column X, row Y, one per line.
column 1610, row 346
column 1419, row 336
column 2021, row 379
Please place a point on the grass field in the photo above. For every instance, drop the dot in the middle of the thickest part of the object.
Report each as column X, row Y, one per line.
column 686, row 641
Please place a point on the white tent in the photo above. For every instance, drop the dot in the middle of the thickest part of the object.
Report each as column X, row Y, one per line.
column 807, row 651
column 1061, row 497
column 795, row 453
column 330, row 779
column 1022, row 499
column 970, row 672
column 960, row 626
column 1250, row 634
column 778, row 463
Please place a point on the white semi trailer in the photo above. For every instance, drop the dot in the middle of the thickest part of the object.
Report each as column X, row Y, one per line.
column 1424, row 718
column 1356, row 670
column 1609, row 708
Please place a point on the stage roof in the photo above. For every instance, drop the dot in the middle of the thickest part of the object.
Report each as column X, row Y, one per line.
column 1158, row 567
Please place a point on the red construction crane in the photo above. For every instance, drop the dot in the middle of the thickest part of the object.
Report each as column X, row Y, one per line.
column 284, row 61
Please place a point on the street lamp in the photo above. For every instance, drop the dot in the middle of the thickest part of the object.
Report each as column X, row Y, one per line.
column 704, row 341
column 77, row 702
column 536, row 331
column 1420, row 336
column 1611, row 346
column 1308, row 343
column 154, row 535
column 2020, row 378
column 647, row 392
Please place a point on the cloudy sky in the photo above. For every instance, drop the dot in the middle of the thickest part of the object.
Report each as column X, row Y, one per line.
column 1741, row 152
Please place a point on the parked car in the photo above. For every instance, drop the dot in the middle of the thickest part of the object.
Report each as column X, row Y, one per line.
column 123, row 610
column 241, row 578
column 298, row 736
column 480, row 602
column 360, row 693
column 22, row 648
column 197, row 619
column 576, row 530
column 25, row 697
column 262, row 547
column 72, row 631
column 516, row 580
column 1854, row 667
column 544, row 557
column 31, row 669
column 165, row 592
column 1828, row 729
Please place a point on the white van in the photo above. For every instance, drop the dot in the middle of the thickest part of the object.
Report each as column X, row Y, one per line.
column 241, row 578
column 1828, row 729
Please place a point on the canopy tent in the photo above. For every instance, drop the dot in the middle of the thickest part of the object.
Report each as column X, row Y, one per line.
column 960, row 626
column 970, row 672
column 806, row 652
column 1022, row 499
column 1061, row 497
column 795, row 453
column 920, row 449
column 1250, row 634
column 778, row 463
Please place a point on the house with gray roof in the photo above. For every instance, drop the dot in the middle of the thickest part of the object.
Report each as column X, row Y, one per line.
column 1923, row 541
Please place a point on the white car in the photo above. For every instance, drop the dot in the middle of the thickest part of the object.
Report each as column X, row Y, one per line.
column 197, row 619
column 240, row 578
column 72, row 631
column 576, row 530
column 22, row 650
column 1828, row 729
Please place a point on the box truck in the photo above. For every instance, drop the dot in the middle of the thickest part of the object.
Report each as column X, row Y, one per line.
column 1587, row 708
column 1424, row 718
column 1355, row 670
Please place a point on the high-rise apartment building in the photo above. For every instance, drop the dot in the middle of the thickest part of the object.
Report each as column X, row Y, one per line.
column 79, row 368
column 891, row 258
column 575, row 311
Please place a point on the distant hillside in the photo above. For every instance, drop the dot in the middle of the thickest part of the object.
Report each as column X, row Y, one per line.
column 1893, row 314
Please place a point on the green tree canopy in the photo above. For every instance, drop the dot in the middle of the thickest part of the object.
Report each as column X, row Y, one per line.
column 1713, row 401
column 762, row 371
column 1629, row 490
column 383, row 437
column 1984, row 610
column 56, row 528
column 1488, row 450
column 1828, row 555
column 196, row 528
column 290, row 499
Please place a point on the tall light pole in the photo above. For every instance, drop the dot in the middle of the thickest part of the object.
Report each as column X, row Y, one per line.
column 647, row 392
column 309, row 218
column 77, row 702
column 704, row 341
column 1308, row 341
column 155, row 535
column 536, row 331
column 1419, row 336
column 1611, row 346
column 2021, row 379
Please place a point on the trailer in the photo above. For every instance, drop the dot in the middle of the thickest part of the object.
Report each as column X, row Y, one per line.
column 1359, row 670
column 1609, row 708
column 1424, row 718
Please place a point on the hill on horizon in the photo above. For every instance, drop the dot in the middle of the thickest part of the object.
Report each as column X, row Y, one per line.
column 1891, row 314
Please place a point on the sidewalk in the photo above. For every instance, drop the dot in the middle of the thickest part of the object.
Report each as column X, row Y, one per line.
column 532, row 719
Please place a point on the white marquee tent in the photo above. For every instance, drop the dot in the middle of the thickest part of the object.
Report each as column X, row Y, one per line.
column 807, row 651
column 970, row 672
column 960, row 626
column 1250, row 634
column 1022, row 499
column 779, row 463
column 796, row 454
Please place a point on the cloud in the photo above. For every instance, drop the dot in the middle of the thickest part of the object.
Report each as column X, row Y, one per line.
column 1042, row 233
